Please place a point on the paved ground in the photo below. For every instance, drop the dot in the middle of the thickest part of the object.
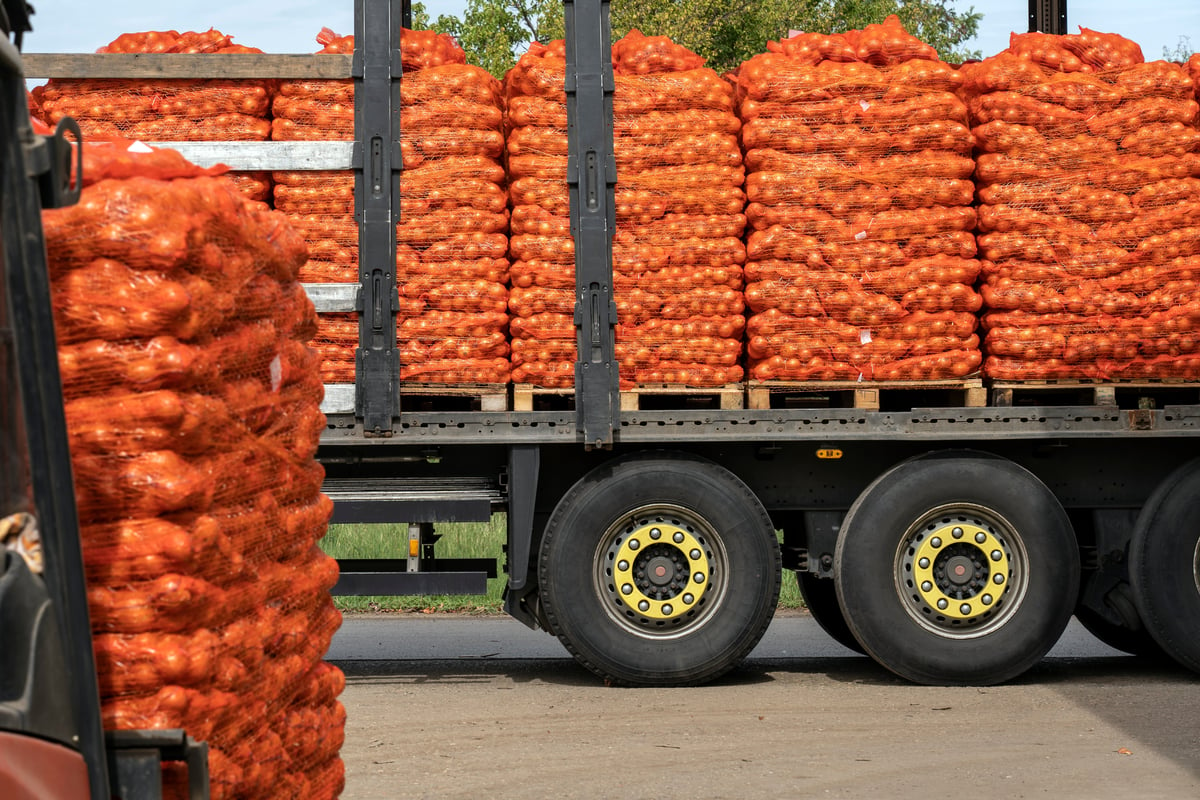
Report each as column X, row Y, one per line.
column 470, row 708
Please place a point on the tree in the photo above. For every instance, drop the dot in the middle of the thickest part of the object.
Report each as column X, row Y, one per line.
column 724, row 32
column 1181, row 52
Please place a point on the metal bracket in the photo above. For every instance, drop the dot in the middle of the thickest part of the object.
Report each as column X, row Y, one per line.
column 1048, row 16
column 377, row 200
column 48, row 160
column 591, row 179
column 135, row 762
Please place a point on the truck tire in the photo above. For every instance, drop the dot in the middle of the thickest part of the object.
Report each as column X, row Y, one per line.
column 659, row 569
column 820, row 596
column 957, row 568
column 1164, row 565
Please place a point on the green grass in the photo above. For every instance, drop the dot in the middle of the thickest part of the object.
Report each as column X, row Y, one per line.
column 458, row 540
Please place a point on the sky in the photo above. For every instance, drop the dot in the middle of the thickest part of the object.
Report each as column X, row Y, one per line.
column 276, row 26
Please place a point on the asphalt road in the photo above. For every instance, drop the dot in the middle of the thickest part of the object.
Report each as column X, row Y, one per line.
column 450, row 707
column 454, row 637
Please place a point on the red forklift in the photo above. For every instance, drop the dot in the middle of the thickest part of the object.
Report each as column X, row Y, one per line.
column 52, row 741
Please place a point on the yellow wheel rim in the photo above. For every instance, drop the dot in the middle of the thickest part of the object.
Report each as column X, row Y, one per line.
column 961, row 570
column 661, row 571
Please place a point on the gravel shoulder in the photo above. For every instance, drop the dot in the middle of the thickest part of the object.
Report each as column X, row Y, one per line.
column 780, row 726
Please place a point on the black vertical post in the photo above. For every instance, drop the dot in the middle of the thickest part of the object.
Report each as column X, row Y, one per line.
column 1048, row 16
column 591, row 177
column 377, row 209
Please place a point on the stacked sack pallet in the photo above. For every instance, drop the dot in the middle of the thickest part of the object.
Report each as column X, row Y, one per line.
column 452, row 242
column 677, row 249
column 861, row 261
column 542, row 298
column 1089, row 190
column 192, row 405
column 320, row 204
column 678, row 252
column 168, row 110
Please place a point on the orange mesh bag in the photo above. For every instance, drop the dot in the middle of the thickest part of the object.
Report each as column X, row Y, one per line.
column 452, row 238
column 862, row 251
column 320, row 204
column 193, row 411
column 542, row 299
column 638, row 54
column 1088, row 192
column 677, row 250
column 183, row 109
column 168, row 110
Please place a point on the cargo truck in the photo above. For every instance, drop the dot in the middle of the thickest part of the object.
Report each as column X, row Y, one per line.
column 949, row 530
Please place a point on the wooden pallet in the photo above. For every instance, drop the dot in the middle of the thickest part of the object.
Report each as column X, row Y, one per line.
column 640, row 398
column 663, row 396
column 454, row 397
column 526, row 396
column 869, row 396
column 1143, row 393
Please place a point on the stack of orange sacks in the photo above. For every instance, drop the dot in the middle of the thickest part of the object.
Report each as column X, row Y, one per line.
column 320, row 204
column 542, row 298
column 677, row 251
column 192, row 404
column 169, row 110
column 452, row 266
column 862, row 258
column 1089, row 201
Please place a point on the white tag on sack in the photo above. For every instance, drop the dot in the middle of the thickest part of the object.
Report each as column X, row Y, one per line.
column 276, row 373
column 864, row 337
column 140, row 147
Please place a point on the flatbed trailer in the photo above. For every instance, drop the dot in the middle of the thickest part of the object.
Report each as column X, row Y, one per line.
column 948, row 530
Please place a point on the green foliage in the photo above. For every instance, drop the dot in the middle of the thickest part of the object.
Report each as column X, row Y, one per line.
column 1181, row 52
column 725, row 32
column 462, row 540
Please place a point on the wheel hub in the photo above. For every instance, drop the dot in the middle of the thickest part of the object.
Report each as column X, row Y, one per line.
column 660, row 571
column 960, row 570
